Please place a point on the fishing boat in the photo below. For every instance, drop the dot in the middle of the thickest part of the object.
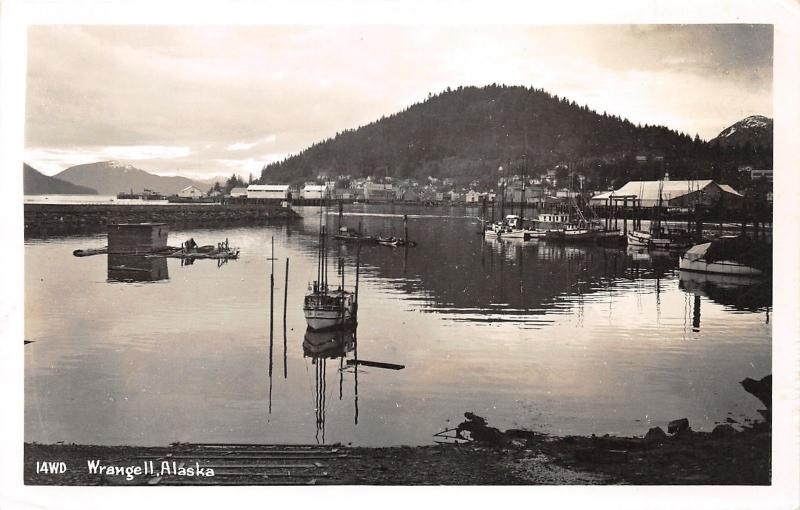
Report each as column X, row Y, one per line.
column 510, row 228
column 397, row 241
column 323, row 306
column 660, row 237
column 350, row 235
column 728, row 255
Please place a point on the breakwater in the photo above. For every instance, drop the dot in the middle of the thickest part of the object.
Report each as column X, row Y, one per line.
column 45, row 220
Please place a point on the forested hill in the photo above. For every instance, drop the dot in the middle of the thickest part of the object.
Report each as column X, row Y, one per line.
column 468, row 132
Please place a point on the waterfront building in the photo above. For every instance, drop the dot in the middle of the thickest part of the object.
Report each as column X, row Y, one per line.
column 269, row 191
column 377, row 192
column 669, row 193
column 191, row 192
column 239, row 193
column 314, row 192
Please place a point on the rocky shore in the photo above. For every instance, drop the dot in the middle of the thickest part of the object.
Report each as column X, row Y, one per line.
column 726, row 456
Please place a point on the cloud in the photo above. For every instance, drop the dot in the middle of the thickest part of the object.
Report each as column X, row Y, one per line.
column 197, row 95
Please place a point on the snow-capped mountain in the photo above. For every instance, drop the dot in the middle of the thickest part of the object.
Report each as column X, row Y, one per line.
column 755, row 129
column 112, row 177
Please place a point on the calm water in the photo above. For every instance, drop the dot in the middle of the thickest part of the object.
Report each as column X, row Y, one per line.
column 559, row 339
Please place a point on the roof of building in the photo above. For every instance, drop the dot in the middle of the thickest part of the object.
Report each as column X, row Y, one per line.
column 726, row 188
column 314, row 187
column 238, row 190
column 649, row 190
column 268, row 187
column 187, row 188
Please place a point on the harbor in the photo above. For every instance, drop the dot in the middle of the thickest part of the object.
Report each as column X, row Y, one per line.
column 407, row 254
column 525, row 312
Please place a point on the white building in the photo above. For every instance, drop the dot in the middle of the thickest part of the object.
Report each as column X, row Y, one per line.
column 472, row 197
column 239, row 192
column 315, row 192
column 761, row 174
column 191, row 192
column 669, row 193
column 269, row 191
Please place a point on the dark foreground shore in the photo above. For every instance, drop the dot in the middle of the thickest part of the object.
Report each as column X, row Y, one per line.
column 518, row 457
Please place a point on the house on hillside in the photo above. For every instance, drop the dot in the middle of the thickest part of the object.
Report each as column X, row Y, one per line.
column 680, row 194
column 756, row 174
column 191, row 192
column 376, row 192
column 269, row 192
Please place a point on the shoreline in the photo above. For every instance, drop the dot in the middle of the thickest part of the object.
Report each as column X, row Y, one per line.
column 45, row 220
column 727, row 457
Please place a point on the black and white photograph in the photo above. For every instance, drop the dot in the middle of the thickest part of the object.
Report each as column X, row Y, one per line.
column 403, row 254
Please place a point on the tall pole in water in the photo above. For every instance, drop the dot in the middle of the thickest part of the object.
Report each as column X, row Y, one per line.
column 503, row 197
column 285, row 299
column 405, row 228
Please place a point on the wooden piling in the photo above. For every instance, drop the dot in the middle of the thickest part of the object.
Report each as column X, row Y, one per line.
column 285, row 300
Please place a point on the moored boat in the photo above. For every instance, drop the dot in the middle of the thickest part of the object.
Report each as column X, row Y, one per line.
column 729, row 255
column 510, row 228
column 324, row 307
column 660, row 239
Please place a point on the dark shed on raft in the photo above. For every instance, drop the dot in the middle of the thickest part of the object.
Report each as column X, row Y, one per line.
column 133, row 238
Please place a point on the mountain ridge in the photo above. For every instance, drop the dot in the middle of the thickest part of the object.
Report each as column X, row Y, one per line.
column 468, row 132
column 112, row 177
column 35, row 182
column 755, row 129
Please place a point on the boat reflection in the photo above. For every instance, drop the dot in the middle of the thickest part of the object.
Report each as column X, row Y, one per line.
column 136, row 268
column 322, row 346
column 741, row 293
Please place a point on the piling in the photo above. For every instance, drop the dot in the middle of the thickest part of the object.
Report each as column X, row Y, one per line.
column 624, row 216
column 285, row 300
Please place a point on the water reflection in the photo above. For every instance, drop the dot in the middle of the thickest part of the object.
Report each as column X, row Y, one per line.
column 322, row 346
column 136, row 268
column 566, row 339
column 741, row 293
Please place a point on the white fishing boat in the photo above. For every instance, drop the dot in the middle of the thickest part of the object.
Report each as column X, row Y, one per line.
column 509, row 228
column 659, row 239
column 727, row 256
column 324, row 307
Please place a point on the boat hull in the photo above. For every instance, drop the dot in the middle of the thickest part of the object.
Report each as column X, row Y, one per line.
column 722, row 267
column 646, row 240
column 319, row 320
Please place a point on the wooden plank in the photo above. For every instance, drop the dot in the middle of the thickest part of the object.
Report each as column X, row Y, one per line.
column 268, row 474
column 276, row 466
column 239, row 457
column 376, row 364
column 240, row 482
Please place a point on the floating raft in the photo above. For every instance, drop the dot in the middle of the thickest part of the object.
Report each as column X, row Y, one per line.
column 225, row 253
column 201, row 252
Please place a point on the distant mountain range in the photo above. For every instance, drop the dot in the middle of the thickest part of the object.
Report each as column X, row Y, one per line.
column 112, row 177
column 756, row 130
column 467, row 133
column 36, row 183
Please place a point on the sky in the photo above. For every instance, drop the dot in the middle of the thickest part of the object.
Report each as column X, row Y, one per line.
column 202, row 101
